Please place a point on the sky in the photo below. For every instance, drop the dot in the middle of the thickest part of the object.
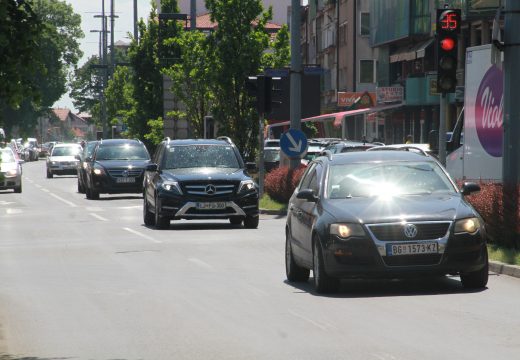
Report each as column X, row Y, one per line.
column 90, row 43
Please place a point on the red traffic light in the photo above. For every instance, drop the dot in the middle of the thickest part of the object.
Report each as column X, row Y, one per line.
column 447, row 44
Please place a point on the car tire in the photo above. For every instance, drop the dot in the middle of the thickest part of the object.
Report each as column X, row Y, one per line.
column 160, row 221
column 94, row 195
column 49, row 174
column 81, row 188
column 18, row 189
column 251, row 222
column 235, row 220
column 476, row 279
column 294, row 272
column 148, row 217
column 323, row 283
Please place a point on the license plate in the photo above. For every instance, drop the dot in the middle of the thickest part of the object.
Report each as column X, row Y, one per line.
column 125, row 180
column 211, row 205
column 412, row 249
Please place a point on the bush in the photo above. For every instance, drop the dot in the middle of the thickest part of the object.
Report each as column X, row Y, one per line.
column 489, row 202
column 281, row 182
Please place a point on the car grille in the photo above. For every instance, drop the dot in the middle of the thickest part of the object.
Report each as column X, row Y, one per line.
column 411, row 260
column 425, row 231
column 209, row 189
column 130, row 172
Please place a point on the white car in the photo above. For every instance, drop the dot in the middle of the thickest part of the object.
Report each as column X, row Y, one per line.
column 10, row 171
column 62, row 160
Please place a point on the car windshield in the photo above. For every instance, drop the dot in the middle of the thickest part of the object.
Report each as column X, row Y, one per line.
column 7, row 156
column 66, row 151
column 198, row 156
column 122, row 152
column 386, row 179
column 272, row 155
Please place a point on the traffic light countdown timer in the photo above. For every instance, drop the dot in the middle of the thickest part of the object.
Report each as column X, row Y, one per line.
column 448, row 28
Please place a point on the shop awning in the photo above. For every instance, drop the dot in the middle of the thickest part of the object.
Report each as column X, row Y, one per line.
column 411, row 52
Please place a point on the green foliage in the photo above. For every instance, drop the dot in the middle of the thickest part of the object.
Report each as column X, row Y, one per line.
column 190, row 80
column 237, row 47
column 155, row 136
column 119, row 97
column 279, row 55
column 53, row 50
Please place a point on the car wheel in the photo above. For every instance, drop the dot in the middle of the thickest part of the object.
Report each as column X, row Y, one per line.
column 476, row 279
column 235, row 220
column 148, row 217
column 251, row 222
column 323, row 283
column 18, row 189
column 160, row 221
column 81, row 188
column 294, row 272
column 49, row 174
column 94, row 195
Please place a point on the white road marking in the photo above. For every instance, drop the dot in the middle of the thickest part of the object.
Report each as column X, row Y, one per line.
column 13, row 211
column 38, row 186
column 130, row 207
column 144, row 236
column 47, row 191
column 201, row 263
column 95, row 208
column 99, row 217
column 62, row 199
column 6, row 202
column 310, row 321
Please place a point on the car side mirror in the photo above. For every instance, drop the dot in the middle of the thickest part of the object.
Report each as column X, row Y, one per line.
column 469, row 187
column 251, row 166
column 77, row 157
column 307, row 194
column 152, row 167
column 88, row 159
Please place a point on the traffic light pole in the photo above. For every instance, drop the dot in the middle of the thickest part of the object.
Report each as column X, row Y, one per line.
column 296, row 72
column 261, row 162
column 442, row 128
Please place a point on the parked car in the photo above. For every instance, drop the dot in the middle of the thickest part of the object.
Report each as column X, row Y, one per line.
column 34, row 149
column 10, row 170
column 62, row 160
column 83, row 164
column 271, row 158
column 46, row 148
column 372, row 214
column 199, row 179
column 116, row 166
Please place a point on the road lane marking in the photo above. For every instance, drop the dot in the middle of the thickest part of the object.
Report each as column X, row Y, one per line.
column 71, row 204
column 99, row 217
column 47, row 191
column 201, row 263
column 310, row 321
column 144, row 236
column 13, row 211
column 38, row 186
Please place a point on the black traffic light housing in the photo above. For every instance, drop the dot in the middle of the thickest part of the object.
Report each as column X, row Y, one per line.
column 448, row 29
column 267, row 92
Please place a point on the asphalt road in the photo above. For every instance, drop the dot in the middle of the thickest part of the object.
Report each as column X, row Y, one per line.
column 83, row 279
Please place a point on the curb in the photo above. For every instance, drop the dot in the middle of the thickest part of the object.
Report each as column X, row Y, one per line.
column 506, row 269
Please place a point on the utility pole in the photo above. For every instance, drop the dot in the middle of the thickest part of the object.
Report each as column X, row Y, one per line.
column 296, row 72
column 511, row 158
column 112, row 48
column 136, row 35
column 105, row 72
column 193, row 15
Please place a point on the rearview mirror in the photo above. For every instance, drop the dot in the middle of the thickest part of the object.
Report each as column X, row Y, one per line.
column 307, row 194
column 469, row 187
column 251, row 166
column 152, row 167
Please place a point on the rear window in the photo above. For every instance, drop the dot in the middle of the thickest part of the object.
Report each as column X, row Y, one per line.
column 66, row 151
column 200, row 156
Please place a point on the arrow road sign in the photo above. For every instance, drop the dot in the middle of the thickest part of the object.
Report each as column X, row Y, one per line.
column 294, row 143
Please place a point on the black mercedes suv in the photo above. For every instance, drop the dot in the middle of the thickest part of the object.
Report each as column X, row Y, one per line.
column 199, row 179
column 116, row 166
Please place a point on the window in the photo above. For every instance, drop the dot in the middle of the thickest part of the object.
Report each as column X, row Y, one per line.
column 367, row 72
column 365, row 24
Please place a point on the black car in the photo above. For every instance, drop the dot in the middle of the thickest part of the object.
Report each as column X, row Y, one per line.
column 82, row 167
column 116, row 166
column 199, row 179
column 373, row 214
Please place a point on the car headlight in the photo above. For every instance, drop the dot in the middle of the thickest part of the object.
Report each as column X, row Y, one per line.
column 172, row 186
column 98, row 170
column 246, row 185
column 470, row 226
column 11, row 172
column 54, row 163
column 346, row 231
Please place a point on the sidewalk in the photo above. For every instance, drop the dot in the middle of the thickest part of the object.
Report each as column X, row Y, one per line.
column 494, row 266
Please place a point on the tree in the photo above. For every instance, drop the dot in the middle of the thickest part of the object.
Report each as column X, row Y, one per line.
column 56, row 49
column 280, row 54
column 238, row 44
column 190, row 80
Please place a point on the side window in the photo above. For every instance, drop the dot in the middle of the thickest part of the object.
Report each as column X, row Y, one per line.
column 157, row 156
column 307, row 178
column 315, row 182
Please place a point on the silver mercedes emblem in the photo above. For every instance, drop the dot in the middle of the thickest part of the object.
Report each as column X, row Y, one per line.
column 125, row 173
column 211, row 189
column 410, row 231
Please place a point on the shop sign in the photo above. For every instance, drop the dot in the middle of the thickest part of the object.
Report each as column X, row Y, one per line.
column 390, row 94
column 364, row 99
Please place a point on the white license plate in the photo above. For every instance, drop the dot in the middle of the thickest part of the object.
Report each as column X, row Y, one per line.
column 125, row 180
column 211, row 205
column 412, row 249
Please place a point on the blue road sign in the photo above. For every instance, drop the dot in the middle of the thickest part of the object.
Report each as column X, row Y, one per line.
column 294, row 143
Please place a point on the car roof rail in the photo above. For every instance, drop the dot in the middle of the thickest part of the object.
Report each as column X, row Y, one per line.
column 226, row 139
column 167, row 139
column 400, row 148
column 326, row 153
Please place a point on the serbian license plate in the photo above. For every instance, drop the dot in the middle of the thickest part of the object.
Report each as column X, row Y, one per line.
column 211, row 205
column 412, row 249
column 125, row 180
